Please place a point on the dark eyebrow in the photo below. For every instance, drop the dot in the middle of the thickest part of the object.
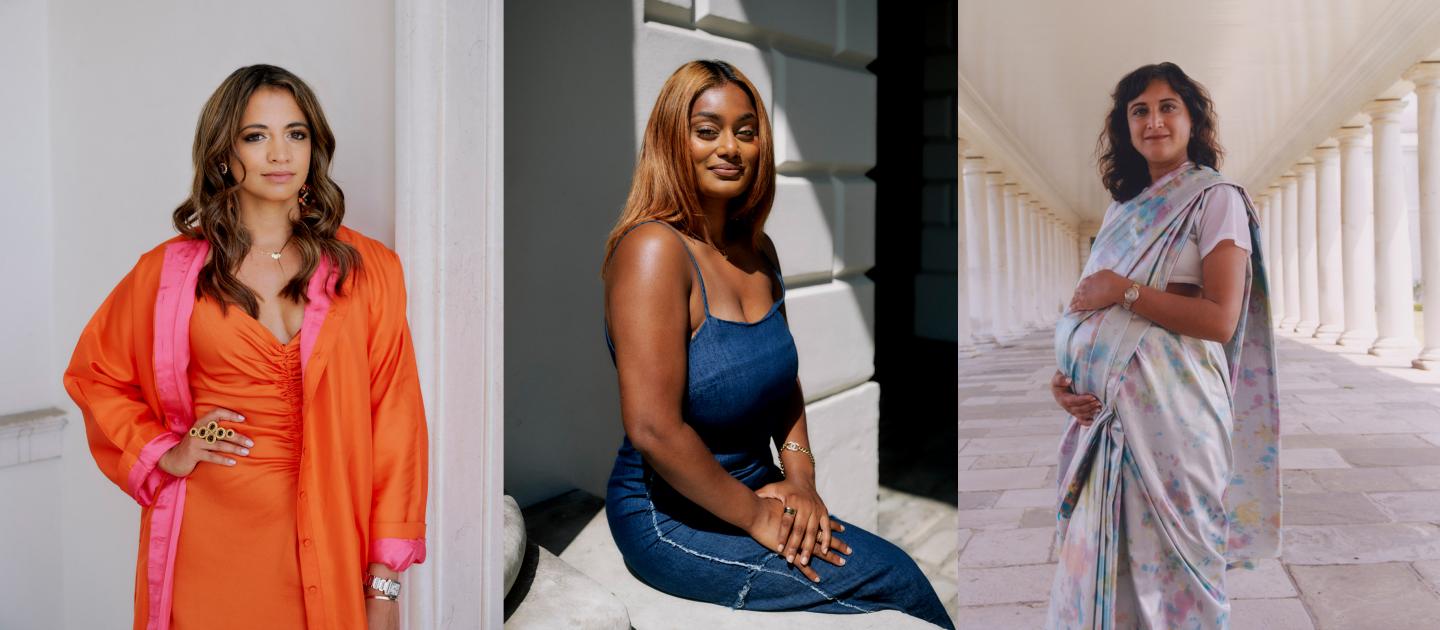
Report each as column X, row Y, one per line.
column 265, row 127
column 716, row 117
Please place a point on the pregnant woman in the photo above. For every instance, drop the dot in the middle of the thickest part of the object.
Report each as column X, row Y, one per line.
column 695, row 318
column 1167, row 367
column 252, row 385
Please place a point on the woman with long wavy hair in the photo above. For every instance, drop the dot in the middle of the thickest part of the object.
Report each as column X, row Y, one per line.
column 695, row 319
column 1169, row 468
column 252, row 385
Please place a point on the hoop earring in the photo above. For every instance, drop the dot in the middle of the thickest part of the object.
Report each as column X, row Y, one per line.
column 306, row 198
column 224, row 168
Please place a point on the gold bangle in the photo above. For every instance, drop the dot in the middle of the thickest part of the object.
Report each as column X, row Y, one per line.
column 388, row 599
column 796, row 447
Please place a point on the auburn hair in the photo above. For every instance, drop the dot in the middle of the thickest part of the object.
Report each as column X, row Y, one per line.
column 212, row 212
column 1122, row 169
column 664, row 186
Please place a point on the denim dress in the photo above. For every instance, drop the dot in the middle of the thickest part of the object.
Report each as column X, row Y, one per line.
column 739, row 377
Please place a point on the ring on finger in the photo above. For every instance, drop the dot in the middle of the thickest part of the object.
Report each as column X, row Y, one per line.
column 789, row 511
column 212, row 432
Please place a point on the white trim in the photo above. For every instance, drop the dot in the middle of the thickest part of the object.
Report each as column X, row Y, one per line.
column 448, row 233
column 31, row 436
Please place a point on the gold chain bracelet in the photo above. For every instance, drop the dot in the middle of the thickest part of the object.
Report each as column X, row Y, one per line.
column 796, row 447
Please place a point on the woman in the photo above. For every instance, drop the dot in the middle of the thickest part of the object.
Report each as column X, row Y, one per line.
column 694, row 310
column 252, row 384
column 1167, row 367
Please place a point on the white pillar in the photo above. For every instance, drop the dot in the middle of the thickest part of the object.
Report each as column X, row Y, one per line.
column 1290, row 231
column 1394, row 297
column 1426, row 77
column 1047, row 305
column 1013, row 327
column 1327, row 242
column 1274, row 267
column 1305, row 247
column 1034, row 283
column 1357, row 236
column 1021, row 275
column 964, row 331
column 999, row 289
column 977, row 249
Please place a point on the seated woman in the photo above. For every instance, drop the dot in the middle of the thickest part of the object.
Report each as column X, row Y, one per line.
column 695, row 319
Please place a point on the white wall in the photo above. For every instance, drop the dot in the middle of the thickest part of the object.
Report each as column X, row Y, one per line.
column 807, row 60
column 127, row 81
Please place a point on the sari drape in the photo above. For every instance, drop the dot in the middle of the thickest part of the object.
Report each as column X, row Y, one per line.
column 1178, row 476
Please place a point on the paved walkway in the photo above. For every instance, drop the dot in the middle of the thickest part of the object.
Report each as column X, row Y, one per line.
column 1360, row 459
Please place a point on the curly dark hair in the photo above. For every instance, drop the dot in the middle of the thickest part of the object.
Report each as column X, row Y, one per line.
column 1122, row 169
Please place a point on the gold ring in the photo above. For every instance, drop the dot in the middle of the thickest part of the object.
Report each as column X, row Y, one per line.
column 790, row 510
column 211, row 432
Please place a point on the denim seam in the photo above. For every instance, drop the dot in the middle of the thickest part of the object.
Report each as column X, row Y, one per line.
column 754, row 568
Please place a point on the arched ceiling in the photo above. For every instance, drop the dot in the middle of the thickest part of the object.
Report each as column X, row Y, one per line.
column 1036, row 75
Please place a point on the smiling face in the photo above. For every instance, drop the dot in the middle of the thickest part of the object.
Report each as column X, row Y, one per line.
column 271, row 154
column 723, row 143
column 1159, row 125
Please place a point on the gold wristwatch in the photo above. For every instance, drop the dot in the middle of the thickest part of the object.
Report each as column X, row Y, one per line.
column 1131, row 294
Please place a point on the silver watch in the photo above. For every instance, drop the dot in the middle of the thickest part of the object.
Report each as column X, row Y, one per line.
column 388, row 588
column 1131, row 294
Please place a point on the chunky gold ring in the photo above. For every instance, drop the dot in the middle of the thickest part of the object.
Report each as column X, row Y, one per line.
column 790, row 510
column 212, row 432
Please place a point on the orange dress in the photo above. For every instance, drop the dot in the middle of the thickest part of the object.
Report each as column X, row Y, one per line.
column 337, row 477
column 241, row 519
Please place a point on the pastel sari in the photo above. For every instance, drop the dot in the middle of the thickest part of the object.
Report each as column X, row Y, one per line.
column 1178, row 476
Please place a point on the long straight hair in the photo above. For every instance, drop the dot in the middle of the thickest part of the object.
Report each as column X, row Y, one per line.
column 212, row 210
column 664, row 186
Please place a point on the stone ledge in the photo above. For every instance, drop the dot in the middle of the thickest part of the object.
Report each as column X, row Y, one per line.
column 592, row 551
column 31, row 436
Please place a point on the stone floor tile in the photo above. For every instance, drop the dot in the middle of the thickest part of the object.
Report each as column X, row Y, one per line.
column 965, row 462
column 988, row 445
column 1358, row 544
column 940, row 546
column 1039, row 497
column 1269, row 614
column 1426, row 477
column 1429, row 571
column 1299, row 482
column 1267, row 580
column 990, row 519
column 1330, row 508
column 1433, row 438
column 1384, row 440
column 997, row 548
column 1038, row 517
column 1387, row 595
column 1002, row 460
column 1310, row 458
column 1390, row 456
column 1423, row 505
column 977, row 500
column 1002, row 616
column 1361, row 480
column 1001, row 478
column 1005, row 585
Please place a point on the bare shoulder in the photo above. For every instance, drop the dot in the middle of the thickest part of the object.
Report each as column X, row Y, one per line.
column 767, row 248
column 649, row 253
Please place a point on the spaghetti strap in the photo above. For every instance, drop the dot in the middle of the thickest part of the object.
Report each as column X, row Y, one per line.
column 704, row 300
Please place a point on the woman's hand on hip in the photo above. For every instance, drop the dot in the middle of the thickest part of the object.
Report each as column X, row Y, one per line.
column 182, row 458
column 1099, row 290
column 382, row 614
column 1082, row 406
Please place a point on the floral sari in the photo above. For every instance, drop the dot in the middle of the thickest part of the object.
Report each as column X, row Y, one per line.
column 1178, row 476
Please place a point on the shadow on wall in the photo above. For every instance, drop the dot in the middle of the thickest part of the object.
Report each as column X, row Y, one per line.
column 570, row 148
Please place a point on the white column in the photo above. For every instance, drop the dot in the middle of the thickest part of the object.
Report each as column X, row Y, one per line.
column 1357, row 236
column 999, row 288
column 1305, row 247
column 1271, row 238
column 1327, row 244
column 1033, row 282
column 1394, row 297
column 1047, row 252
column 1021, row 260
column 1426, row 77
column 1014, row 327
column 964, row 331
column 977, row 249
column 1290, row 231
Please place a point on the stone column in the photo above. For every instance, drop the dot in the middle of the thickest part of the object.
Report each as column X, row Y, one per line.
column 1305, row 248
column 1023, row 293
column 977, row 248
column 1327, row 244
column 1426, row 77
column 1012, row 327
column 1037, row 276
column 964, row 331
column 1269, row 223
column 1047, row 307
column 1394, row 297
column 1357, row 236
column 999, row 291
column 1290, row 231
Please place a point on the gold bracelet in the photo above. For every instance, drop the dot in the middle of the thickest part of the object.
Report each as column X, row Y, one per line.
column 795, row 446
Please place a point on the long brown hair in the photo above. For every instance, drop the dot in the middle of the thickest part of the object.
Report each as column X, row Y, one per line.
column 212, row 211
column 664, row 186
column 1122, row 169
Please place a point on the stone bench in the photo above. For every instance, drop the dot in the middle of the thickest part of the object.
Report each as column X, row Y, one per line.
column 592, row 551
column 542, row 591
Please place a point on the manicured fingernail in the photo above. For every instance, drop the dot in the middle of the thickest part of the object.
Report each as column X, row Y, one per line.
column 242, row 418
column 805, row 560
column 230, row 461
column 842, row 561
column 790, row 558
column 244, row 451
column 815, row 579
column 249, row 443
